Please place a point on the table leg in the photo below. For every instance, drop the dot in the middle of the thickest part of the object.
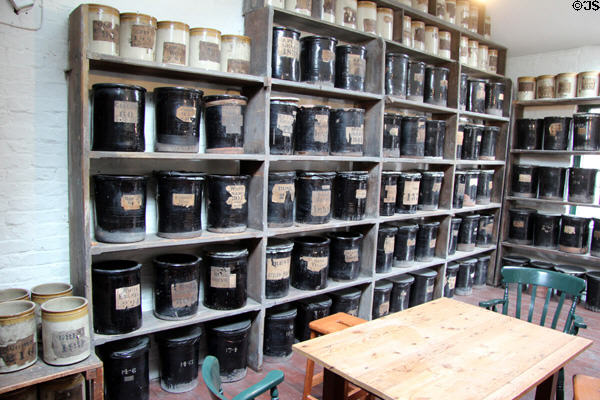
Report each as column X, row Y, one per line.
column 547, row 389
column 333, row 385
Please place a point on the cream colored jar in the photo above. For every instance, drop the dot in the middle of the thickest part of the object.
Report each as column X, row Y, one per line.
column 462, row 13
column 487, row 27
column 421, row 5
column 406, row 2
column 172, row 39
column 482, row 57
column 473, row 17
column 205, row 48
column 493, row 61
column 565, row 85
column 345, row 13
column 445, row 44
column 432, row 40
column 525, row 88
column 44, row 292
column 473, row 53
column 18, row 340
column 463, row 50
column 450, row 11
column 276, row 3
column 544, row 86
column 385, row 23
column 300, row 6
column 26, row 393
column 137, row 36
column 70, row 387
column 235, row 54
column 418, row 35
column 65, row 330
column 103, row 24
column 366, row 16
column 440, row 9
column 12, row 294
column 407, row 31
column 587, row 84
column 328, row 11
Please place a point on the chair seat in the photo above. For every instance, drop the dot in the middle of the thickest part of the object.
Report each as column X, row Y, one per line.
column 334, row 323
column 586, row 387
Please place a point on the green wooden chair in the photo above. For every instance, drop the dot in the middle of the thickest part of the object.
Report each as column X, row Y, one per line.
column 212, row 379
column 566, row 285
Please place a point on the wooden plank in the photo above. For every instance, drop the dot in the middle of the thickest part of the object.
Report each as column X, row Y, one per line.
column 419, row 106
column 481, row 207
column 444, row 347
column 553, row 254
column 551, row 202
column 555, row 152
column 319, row 90
column 156, row 156
column 469, row 254
column 486, row 117
column 558, row 102
column 306, row 228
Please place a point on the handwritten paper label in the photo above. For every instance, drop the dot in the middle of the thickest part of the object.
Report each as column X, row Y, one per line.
column 142, row 36
column 370, row 25
column 186, row 113
column 186, row 200
column 105, row 31
column 436, row 187
column 451, row 282
column 70, row 343
column 125, row 112
column 232, row 119
column 222, row 278
column 280, row 192
column 480, row 93
column 519, row 224
column 411, row 242
column 460, row 189
column 237, row 197
column 588, row 83
column 525, row 178
column 490, row 185
column 20, row 352
column 388, row 244
column 349, row 15
column 356, row 65
column 208, row 51
column 285, row 123
column 174, row 53
column 354, row 134
column 410, row 197
column 390, row 193
column 421, row 132
column 432, row 243
column 127, row 297
column 238, row 66
column 321, row 129
column 526, row 86
column 320, row 203
column 419, row 35
column 315, row 264
column 430, row 288
column 444, row 44
column 393, row 131
column 131, row 202
column 278, row 268
column 327, row 56
column 184, row 294
column 459, row 138
column 288, row 47
column 351, row 255
column 361, row 194
column 555, row 128
column 569, row 230
column 384, row 308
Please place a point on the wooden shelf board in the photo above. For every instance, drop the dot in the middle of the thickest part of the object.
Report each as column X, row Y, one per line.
column 415, row 160
column 42, row 372
column 556, row 152
column 153, row 241
column 551, row 202
column 487, row 117
column 558, row 102
column 419, row 106
column 150, row 155
column 479, row 162
column 121, row 65
column 418, row 214
column 479, row 73
column 415, row 266
column 480, row 207
column 414, row 54
column 151, row 324
column 459, row 255
column 333, row 224
column 555, row 253
column 320, row 90
column 323, row 158
column 297, row 294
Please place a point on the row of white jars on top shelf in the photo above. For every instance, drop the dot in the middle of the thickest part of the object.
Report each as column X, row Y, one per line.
column 141, row 37
column 476, row 55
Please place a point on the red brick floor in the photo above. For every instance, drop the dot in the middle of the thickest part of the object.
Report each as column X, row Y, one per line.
column 587, row 363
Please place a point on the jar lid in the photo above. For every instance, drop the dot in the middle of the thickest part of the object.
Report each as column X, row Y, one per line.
column 282, row 174
column 418, row 23
column 472, row 216
column 281, row 312
column 431, row 28
column 567, row 74
column 317, row 37
column 456, row 220
column 346, row 294
column 349, row 109
column 487, row 171
column 316, row 106
column 546, row 77
column 320, row 301
column 570, row 269
column 286, row 28
column 459, row 172
column 519, row 260
column 178, row 89
column 173, row 25
column 351, row 47
column 433, row 224
column 279, row 245
column 128, row 348
column 399, row 55
column 433, row 174
column 196, row 176
column 417, row 62
column 410, row 175
column 226, row 251
column 452, row 267
column 242, row 38
column 477, row 80
column 541, row 264
column 112, row 267
column 491, row 128
column 402, row 279
column 383, row 285
column 243, row 178
column 576, row 218
column 180, row 336
column 103, row 8
column 521, row 210
column 424, row 273
column 176, row 260
column 97, row 86
column 218, row 97
column 148, row 19
column 484, row 258
column 346, row 235
column 232, row 327
column 285, row 99
column 388, row 229
column 314, row 174
column 391, row 173
column 312, row 240
column 589, row 73
column 355, row 175
column 408, row 227
column 468, row 261
column 199, row 31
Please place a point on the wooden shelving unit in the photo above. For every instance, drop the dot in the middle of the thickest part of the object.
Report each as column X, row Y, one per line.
column 87, row 68
column 542, row 157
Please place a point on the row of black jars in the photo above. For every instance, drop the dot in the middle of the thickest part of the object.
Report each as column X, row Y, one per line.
column 316, row 197
column 481, row 96
column 416, row 81
column 317, row 59
column 116, row 287
column 405, row 192
column 472, row 187
column 402, row 291
column 412, row 136
column 581, row 133
column 476, row 142
column 464, row 275
column 120, row 205
column 315, row 129
column 549, row 183
column 470, row 231
column 568, row 233
column 118, row 113
column 307, row 262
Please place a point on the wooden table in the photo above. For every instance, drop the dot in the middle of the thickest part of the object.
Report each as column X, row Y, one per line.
column 444, row 349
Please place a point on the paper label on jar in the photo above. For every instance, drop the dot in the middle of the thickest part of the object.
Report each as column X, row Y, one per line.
column 186, row 200
column 430, row 288
column 126, row 112
column 349, row 15
column 280, row 192
column 570, row 230
column 142, row 36
column 320, row 203
column 467, row 201
column 480, row 94
column 411, row 242
column 369, row 24
column 278, row 268
column 432, row 243
column 327, row 55
column 315, row 264
column 582, row 130
column 288, row 47
column 479, row 138
column 353, row 312
column 519, row 224
column 384, row 308
column 186, row 113
column 421, row 133
column 596, row 234
column 208, row 51
column 356, row 64
column 237, row 196
column 184, row 294
column 501, row 96
column 354, row 134
column 564, row 87
column 418, row 78
column 444, row 83
column 526, row 86
column 490, row 185
column 526, row 178
column 588, row 83
column 351, row 255
column 444, row 44
column 174, row 53
column 222, row 278
column 321, row 129
column 20, row 352
column 419, row 35
column 285, row 123
column 463, row 51
column 452, row 282
column 70, row 343
column 393, row 131
column 545, row 91
column 390, row 193
column 131, row 202
column 388, row 19
column 473, row 182
column 459, row 138
column 554, row 128
column 388, row 244
column 361, row 194
column 410, row 197
column 488, row 228
column 238, row 66
column 232, row 118
column 436, row 187
column 329, row 6
column 105, row 31
column 127, row 297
